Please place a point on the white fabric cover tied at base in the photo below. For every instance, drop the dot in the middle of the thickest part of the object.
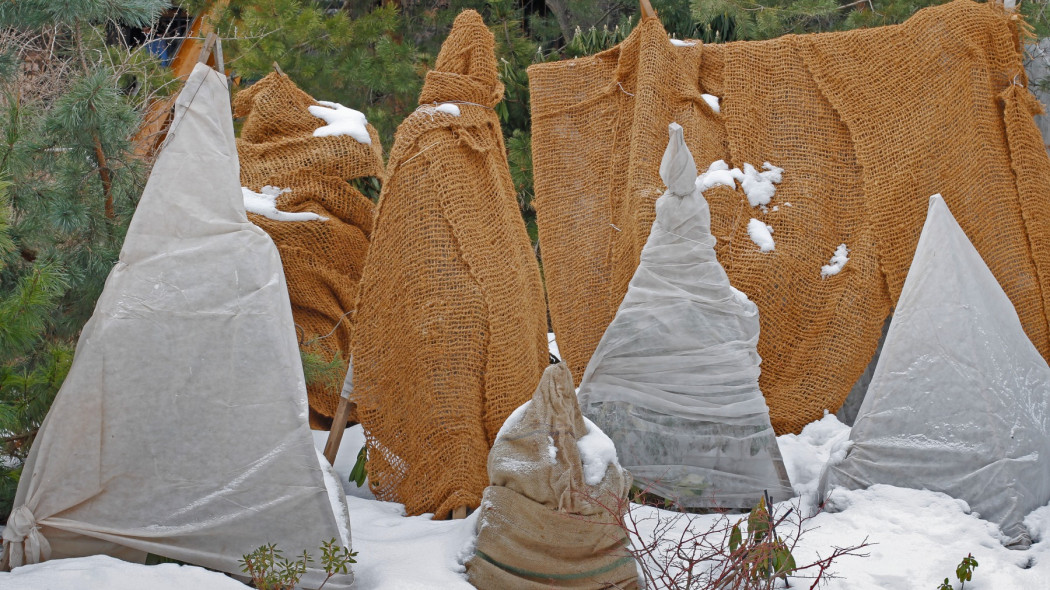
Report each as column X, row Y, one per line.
column 958, row 400
column 181, row 429
column 674, row 379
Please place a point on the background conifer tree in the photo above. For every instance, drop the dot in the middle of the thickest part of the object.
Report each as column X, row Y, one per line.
column 69, row 106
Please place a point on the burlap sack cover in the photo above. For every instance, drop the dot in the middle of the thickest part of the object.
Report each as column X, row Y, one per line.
column 674, row 380
column 451, row 327
column 322, row 260
column 541, row 524
column 958, row 402
column 866, row 125
column 181, row 429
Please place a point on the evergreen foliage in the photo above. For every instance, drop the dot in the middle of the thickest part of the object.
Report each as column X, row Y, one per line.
column 69, row 106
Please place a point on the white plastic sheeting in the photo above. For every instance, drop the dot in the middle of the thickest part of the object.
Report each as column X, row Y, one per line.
column 674, row 380
column 181, row 429
column 958, row 401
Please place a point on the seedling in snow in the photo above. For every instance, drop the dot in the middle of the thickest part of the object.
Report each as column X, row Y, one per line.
column 964, row 572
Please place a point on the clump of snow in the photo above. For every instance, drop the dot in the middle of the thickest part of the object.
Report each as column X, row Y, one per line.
column 806, row 453
column 838, row 260
column 760, row 186
column 513, row 419
column 681, row 43
column 552, row 450
column 448, row 107
column 1038, row 524
column 761, row 234
column 739, row 295
column 265, row 203
column 336, row 497
column 340, row 121
column 719, row 173
column 597, row 452
column 712, row 101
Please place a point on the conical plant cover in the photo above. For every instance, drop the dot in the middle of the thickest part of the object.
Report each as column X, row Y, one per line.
column 450, row 333
column 958, row 401
column 181, row 429
column 674, row 380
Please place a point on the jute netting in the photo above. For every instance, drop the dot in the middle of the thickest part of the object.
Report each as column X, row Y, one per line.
column 322, row 259
column 450, row 334
column 866, row 125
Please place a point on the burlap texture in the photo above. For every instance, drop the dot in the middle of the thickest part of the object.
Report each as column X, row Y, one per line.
column 866, row 124
column 322, row 260
column 541, row 525
column 451, row 326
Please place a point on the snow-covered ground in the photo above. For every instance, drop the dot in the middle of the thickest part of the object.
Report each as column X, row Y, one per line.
column 918, row 538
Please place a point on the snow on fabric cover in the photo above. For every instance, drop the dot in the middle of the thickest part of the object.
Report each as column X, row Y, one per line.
column 310, row 151
column 181, row 429
column 958, row 401
column 674, row 380
column 864, row 123
column 545, row 520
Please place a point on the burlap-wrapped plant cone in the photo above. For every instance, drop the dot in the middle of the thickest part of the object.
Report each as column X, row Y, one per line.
column 550, row 518
column 866, row 125
column 323, row 259
column 450, row 334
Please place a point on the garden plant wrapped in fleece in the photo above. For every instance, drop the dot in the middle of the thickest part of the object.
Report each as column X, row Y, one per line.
column 181, row 429
column 550, row 516
column 674, row 380
column 958, row 401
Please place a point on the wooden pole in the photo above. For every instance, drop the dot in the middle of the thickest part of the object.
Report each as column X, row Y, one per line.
column 342, row 411
column 647, row 9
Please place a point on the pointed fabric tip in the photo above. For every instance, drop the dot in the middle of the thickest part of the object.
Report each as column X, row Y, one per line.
column 466, row 65
column 677, row 168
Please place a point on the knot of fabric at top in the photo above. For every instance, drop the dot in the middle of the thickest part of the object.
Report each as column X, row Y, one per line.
column 466, row 66
column 23, row 542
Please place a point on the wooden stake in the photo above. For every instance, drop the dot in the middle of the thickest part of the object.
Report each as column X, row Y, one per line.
column 342, row 411
column 335, row 435
column 459, row 513
column 219, row 65
column 278, row 69
column 647, row 9
column 209, row 43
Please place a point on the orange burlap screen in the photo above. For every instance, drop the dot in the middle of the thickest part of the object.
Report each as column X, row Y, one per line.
column 322, row 260
column 451, row 328
column 866, row 125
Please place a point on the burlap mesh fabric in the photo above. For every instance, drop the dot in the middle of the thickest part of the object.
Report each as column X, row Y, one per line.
column 543, row 522
column 322, row 260
column 866, row 125
column 451, row 326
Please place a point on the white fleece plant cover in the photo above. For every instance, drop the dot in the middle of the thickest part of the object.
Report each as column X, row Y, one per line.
column 958, row 400
column 674, row 380
column 181, row 429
